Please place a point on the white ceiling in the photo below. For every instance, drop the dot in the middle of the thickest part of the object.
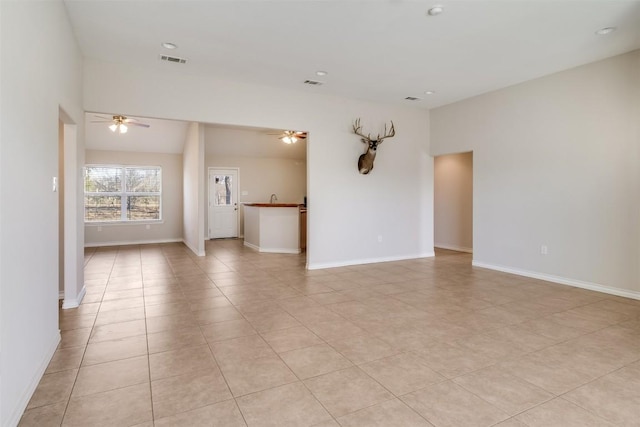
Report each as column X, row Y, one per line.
column 374, row 50
column 168, row 136
column 162, row 136
column 236, row 141
column 379, row 50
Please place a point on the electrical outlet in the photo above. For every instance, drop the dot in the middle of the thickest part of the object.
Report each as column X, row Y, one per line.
column 379, row 238
column 544, row 250
column 148, row 226
column 245, row 193
column 99, row 228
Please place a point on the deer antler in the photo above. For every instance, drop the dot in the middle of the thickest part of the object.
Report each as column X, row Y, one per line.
column 356, row 130
column 391, row 134
column 365, row 161
column 357, row 127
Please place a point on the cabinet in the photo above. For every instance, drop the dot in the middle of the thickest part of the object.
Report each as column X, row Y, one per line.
column 303, row 229
column 272, row 227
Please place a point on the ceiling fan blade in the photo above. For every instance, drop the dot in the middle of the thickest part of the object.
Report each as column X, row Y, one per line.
column 289, row 134
column 103, row 117
column 101, row 121
column 144, row 125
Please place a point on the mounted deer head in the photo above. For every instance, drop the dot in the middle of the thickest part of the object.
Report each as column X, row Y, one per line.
column 365, row 161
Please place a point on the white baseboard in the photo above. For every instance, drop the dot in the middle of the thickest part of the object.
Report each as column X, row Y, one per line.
column 561, row 280
column 17, row 412
column 131, row 242
column 74, row 302
column 272, row 250
column 279, row 250
column 250, row 245
column 453, row 248
column 318, row 266
column 194, row 250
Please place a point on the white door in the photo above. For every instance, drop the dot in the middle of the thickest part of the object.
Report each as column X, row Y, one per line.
column 223, row 203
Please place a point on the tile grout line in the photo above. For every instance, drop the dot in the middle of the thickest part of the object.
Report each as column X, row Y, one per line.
column 86, row 346
column 287, row 280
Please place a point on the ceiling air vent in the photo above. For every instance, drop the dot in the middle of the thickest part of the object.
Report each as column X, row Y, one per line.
column 412, row 98
column 175, row 59
column 312, row 82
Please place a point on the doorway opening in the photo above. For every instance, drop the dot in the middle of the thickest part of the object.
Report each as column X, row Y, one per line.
column 269, row 171
column 70, row 249
column 453, row 203
column 60, row 188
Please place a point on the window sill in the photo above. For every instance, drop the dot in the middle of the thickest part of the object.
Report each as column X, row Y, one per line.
column 107, row 223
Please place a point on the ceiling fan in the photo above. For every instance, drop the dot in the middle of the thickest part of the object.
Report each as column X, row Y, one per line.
column 290, row 136
column 120, row 123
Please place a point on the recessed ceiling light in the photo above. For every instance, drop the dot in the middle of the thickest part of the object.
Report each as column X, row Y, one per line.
column 429, row 92
column 605, row 31
column 321, row 73
column 435, row 10
column 168, row 45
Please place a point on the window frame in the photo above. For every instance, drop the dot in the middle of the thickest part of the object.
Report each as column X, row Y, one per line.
column 123, row 194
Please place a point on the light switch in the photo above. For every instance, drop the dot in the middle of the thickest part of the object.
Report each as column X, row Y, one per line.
column 245, row 193
column 55, row 184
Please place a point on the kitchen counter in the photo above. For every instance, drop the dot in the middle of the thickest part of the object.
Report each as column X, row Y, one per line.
column 273, row 205
column 272, row 227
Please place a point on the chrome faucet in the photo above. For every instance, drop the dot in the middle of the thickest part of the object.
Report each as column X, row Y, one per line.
column 274, row 198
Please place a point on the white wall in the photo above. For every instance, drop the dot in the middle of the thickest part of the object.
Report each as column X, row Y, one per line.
column 169, row 229
column 453, row 202
column 287, row 178
column 279, row 168
column 40, row 72
column 556, row 163
column 347, row 211
column 193, row 204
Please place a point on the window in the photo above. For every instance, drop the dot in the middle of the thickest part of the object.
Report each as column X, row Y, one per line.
column 122, row 193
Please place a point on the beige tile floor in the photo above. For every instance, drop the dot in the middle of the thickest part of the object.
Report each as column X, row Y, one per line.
column 239, row 338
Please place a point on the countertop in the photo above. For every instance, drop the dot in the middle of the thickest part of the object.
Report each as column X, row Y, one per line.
column 273, row 205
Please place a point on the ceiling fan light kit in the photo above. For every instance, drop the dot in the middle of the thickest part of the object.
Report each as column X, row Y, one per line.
column 289, row 139
column 292, row 136
column 120, row 123
column 123, row 128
